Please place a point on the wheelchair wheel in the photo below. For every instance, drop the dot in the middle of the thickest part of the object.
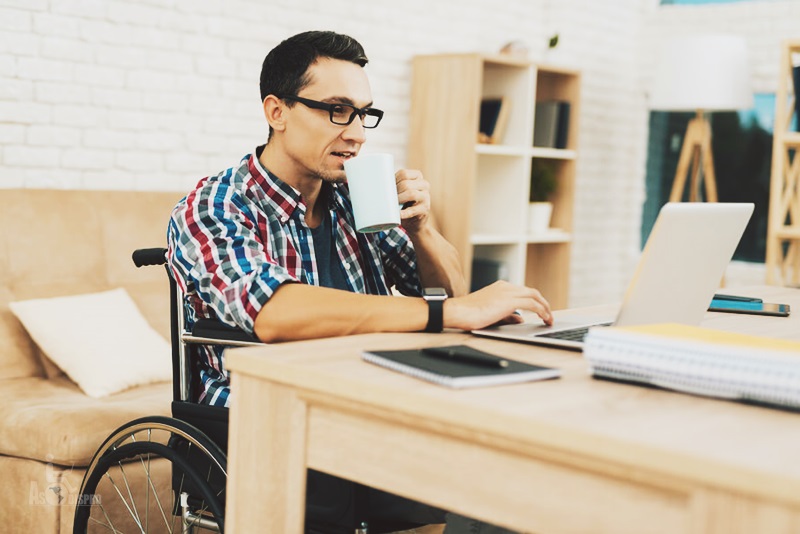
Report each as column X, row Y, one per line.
column 155, row 474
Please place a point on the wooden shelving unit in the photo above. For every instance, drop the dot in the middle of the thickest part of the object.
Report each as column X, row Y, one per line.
column 479, row 191
column 783, row 229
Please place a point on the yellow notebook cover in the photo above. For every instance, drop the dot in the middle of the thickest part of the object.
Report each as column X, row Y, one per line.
column 674, row 331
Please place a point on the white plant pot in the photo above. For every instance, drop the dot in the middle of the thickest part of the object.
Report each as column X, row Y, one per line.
column 539, row 214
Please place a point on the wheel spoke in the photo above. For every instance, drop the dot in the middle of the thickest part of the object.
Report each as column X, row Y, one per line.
column 103, row 509
column 128, row 489
column 158, row 501
column 107, row 527
column 147, row 494
column 114, row 484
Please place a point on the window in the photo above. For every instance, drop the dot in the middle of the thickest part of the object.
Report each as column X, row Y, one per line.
column 742, row 148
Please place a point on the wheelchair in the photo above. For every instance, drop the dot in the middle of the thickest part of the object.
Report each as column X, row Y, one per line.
column 168, row 474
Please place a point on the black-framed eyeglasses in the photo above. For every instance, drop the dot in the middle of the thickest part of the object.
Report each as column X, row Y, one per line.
column 342, row 114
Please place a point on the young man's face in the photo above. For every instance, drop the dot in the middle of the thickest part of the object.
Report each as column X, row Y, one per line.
column 317, row 146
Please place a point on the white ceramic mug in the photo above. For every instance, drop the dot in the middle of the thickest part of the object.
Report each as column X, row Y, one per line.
column 373, row 192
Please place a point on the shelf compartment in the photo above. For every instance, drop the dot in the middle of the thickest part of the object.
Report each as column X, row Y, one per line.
column 560, row 85
column 512, row 82
column 499, row 196
column 510, row 256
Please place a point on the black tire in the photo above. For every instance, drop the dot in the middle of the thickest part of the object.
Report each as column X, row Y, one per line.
column 136, row 480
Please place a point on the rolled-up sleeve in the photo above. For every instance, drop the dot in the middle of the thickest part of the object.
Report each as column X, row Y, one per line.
column 217, row 250
column 400, row 261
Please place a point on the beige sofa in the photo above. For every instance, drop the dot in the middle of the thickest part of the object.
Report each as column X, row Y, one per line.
column 56, row 243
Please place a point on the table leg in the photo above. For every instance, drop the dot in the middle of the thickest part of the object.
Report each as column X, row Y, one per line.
column 266, row 458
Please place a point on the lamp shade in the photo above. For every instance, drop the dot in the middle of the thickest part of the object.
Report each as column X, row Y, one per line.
column 703, row 72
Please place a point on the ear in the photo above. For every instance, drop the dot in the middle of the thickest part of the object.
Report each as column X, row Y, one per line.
column 275, row 112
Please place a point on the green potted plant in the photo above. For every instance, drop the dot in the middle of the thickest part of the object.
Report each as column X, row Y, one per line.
column 543, row 183
column 552, row 51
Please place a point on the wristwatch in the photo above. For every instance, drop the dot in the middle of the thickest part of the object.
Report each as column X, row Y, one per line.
column 435, row 297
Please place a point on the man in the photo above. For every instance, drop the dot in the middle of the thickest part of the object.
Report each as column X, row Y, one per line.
column 269, row 245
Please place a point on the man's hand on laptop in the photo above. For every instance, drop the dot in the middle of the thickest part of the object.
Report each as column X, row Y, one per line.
column 496, row 303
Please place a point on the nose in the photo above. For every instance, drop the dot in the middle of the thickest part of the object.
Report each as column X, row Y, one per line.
column 355, row 131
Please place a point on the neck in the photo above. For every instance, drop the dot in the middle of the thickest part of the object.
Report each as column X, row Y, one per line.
column 276, row 161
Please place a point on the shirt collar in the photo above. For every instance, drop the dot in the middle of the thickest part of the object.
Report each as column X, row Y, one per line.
column 284, row 197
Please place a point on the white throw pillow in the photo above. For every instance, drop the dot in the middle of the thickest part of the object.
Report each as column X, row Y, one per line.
column 100, row 340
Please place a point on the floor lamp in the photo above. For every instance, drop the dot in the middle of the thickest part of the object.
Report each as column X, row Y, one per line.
column 700, row 73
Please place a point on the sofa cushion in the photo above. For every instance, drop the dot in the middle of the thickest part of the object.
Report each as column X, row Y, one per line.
column 100, row 340
column 70, row 242
column 18, row 353
column 54, row 421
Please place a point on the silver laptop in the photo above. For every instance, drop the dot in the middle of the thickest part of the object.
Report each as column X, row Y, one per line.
column 681, row 267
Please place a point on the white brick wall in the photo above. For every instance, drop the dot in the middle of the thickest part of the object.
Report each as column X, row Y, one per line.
column 154, row 94
column 601, row 39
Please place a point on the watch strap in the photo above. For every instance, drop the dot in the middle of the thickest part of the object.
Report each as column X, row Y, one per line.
column 435, row 315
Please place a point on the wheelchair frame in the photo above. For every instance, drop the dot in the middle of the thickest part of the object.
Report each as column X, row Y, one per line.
column 193, row 441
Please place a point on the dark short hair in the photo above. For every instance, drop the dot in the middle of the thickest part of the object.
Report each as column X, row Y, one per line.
column 285, row 69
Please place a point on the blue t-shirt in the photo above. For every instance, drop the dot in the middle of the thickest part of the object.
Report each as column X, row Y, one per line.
column 329, row 266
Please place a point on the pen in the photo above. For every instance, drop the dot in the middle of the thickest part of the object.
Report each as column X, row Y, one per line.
column 464, row 356
column 736, row 298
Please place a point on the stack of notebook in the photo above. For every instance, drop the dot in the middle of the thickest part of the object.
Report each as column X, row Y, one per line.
column 700, row 361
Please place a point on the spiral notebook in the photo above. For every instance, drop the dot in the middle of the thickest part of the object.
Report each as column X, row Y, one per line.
column 700, row 361
column 458, row 374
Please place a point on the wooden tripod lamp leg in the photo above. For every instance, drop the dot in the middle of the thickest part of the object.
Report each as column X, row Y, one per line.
column 709, row 178
column 687, row 152
column 696, row 151
column 694, row 177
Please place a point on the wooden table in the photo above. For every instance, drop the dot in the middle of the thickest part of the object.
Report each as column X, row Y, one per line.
column 564, row 456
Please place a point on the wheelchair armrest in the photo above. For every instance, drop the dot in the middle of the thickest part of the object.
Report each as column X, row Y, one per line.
column 217, row 330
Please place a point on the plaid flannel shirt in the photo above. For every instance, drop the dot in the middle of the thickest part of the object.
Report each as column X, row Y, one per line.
column 242, row 233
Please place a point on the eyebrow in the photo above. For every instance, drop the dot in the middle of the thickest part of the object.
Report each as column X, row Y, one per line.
column 345, row 100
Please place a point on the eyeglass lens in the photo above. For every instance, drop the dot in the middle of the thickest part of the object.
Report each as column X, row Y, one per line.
column 344, row 114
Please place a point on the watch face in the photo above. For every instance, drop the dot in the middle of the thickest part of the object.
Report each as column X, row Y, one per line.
column 434, row 293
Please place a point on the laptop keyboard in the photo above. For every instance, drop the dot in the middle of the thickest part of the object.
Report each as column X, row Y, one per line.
column 572, row 334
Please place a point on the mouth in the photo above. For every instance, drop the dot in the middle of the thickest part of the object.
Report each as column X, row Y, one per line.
column 344, row 155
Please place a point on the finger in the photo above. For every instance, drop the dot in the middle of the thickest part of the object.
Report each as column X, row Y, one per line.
column 540, row 308
column 411, row 183
column 536, row 295
column 404, row 175
column 414, row 196
column 406, row 179
column 414, row 210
